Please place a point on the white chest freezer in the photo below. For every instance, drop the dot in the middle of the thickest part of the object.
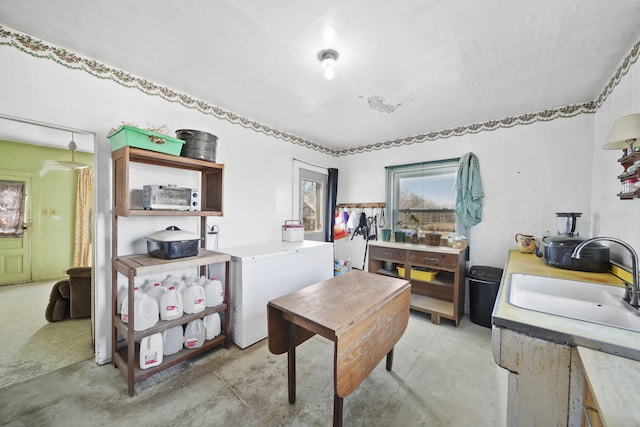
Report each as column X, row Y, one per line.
column 260, row 273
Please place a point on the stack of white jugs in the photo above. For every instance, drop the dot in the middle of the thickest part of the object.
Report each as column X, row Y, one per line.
column 169, row 300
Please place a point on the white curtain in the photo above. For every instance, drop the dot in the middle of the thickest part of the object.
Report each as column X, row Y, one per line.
column 82, row 240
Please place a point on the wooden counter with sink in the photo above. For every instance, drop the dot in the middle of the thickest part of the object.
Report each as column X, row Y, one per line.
column 552, row 361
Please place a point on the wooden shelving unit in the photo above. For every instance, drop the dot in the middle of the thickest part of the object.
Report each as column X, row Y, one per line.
column 135, row 265
column 441, row 297
column 627, row 161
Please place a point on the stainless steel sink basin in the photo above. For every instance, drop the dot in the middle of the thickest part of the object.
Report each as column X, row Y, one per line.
column 591, row 302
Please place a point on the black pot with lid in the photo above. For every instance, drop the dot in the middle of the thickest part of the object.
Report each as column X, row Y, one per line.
column 557, row 252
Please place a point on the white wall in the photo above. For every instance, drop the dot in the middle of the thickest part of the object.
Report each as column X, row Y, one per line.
column 529, row 173
column 258, row 168
column 611, row 216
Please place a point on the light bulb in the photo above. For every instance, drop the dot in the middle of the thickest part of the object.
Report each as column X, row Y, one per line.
column 328, row 60
column 328, row 73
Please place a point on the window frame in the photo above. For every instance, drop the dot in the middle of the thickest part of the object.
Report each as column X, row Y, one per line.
column 305, row 171
column 395, row 173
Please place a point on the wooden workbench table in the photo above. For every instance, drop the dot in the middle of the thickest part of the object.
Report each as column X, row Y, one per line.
column 364, row 314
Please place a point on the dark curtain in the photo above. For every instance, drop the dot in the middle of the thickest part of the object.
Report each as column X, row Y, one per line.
column 332, row 193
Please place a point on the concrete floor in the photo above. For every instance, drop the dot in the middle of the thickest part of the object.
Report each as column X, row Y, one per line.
column 442, row 376
column 29, row 345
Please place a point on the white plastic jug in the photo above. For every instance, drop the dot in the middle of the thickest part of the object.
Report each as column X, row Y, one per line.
column 172, row 340
column 194, row 334
column 190, row 279
column 151, row 351
column 194, row 299
column 214, row 293
column 124, row 308
column 171, row 304
column 202, row 281
column 212, row 327
column 146, row 312
column 122, row 294
column 155, row 291
column 181, row 286
column 170, row 280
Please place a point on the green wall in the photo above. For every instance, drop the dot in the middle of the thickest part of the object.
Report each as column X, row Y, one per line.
column 52, row 203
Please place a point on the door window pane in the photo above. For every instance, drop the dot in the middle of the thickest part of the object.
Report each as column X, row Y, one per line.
column 312, row 205
column 12, row 206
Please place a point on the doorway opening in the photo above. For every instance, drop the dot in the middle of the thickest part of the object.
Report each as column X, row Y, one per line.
column 37, row 155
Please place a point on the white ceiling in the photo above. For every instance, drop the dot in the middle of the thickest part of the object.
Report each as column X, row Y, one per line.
column 405, row 67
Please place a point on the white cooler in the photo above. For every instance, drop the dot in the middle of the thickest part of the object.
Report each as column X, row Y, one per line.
column 260, row 273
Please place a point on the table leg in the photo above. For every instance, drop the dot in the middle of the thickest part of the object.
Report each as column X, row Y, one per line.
column 390, row 359
column 291, row 362
column 337, row 410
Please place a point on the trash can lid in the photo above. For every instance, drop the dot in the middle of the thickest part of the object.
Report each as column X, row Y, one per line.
column 483, row 272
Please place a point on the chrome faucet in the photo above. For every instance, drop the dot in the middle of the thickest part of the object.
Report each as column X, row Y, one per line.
column 633, row 302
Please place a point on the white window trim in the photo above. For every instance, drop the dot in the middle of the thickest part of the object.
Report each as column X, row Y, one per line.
column 297, row 165
column 392, row 171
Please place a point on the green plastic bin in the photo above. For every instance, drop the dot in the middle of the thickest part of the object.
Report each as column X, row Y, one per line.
column 147, row 140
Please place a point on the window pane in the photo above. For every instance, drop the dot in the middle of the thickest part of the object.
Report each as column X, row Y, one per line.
column 312, row 210
column 424, row 192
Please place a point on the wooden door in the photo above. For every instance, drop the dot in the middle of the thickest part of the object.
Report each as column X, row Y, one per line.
column 15, row 251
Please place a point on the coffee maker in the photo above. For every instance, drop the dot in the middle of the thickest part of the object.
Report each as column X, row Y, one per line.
column 567, row 223
column 557, row 250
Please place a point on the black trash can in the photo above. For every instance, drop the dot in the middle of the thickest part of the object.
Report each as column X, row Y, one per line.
column 484, row 283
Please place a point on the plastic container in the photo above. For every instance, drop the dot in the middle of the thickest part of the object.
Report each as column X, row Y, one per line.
column 151, row 351
column 194, row 334
column 171, row 304
column 147, row 140
column 293, row 231
column 145, row 310
column 212, row 326
column 155, row 291
column 425, row 276
column 124, row 308
column 194, row 299
column 484, row 283
column 214, row 293
column 172, row 340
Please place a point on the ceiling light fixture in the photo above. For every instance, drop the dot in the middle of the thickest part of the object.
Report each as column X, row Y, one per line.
column 328, row 58
column 625, row 134
column 72, row 165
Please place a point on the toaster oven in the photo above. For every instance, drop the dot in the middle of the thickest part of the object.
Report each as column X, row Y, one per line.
column 170, row 197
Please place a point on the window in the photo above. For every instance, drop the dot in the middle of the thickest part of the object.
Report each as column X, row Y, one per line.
column 422, row 192
column 310, row 198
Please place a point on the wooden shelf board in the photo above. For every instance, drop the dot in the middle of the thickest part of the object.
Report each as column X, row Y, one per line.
column 432, row 305
column 163, row 325
column 631, row 195
column 151, row 212
column 435, row 282
column 142, row 264
column 389, row 273
column 120, row 359
column 162, row 159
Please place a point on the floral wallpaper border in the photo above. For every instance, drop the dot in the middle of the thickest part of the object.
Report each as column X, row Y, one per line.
column 40, row 49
